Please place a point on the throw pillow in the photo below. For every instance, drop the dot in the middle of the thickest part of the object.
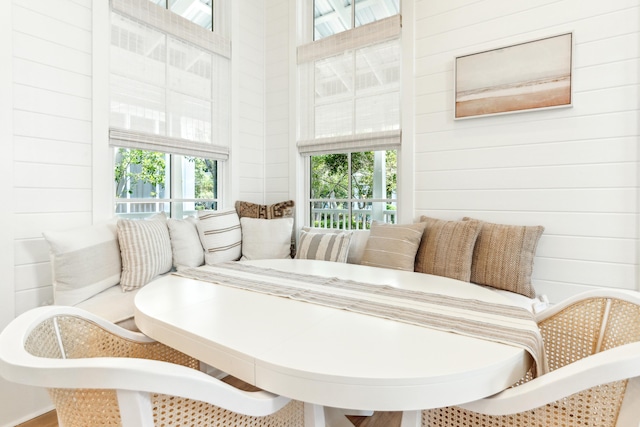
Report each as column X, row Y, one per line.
column 145, row 248
column 393, row 245
column 356, row 246
column 84, row 261
column 503, row 257
column 185, row 242
column 446, row 248
column 254, row 210
column 277, row 210
column 220, row 235
column 266, row 238
column 324, row 246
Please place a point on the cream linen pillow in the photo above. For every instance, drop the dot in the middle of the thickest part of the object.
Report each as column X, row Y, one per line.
column 503, row 257
column 393, row 245
column 185, row 242
column 446, row 248
column 324, row 246
column 266, row 238
column 84, row 261
column 145, row 248
column 220, row 235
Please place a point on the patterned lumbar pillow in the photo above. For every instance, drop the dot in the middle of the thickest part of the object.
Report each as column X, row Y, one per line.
column 84, row 261
column 266, row 238
column 393, row 245
column 503, row 257
column 145, row 248
column 220, row 235
column 446, row 248
column 324, row 246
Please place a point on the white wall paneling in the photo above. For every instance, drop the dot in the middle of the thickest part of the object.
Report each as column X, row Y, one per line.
column 572, row 170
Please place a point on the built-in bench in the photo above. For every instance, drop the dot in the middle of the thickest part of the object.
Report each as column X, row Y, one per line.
column 101, row 267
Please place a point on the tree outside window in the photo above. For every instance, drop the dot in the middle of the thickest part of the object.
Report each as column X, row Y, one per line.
column 349, row 190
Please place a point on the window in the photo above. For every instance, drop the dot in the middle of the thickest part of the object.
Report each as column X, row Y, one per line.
column 335, row 16
column 148, row 182
column 169, row 109
column 200, row 12
column 349, row 118
column 349, row 190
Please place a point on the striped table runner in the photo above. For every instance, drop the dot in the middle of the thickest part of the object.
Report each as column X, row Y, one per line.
column 502, row 323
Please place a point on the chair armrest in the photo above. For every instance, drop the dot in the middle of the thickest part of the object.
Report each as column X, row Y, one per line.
column 611, row 365
column 119, row 373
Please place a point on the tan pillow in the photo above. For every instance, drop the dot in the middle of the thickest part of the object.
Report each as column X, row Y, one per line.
column 447, row 248
column 503, row 257
column 393, row 245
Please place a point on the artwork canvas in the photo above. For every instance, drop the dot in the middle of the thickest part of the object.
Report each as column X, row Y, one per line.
column 532, row 75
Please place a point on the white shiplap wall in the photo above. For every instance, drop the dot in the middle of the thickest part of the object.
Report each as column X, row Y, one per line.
column 573, row 170
column 248, row 59
column 51, row 134
column 48, row 151
column 277, row 92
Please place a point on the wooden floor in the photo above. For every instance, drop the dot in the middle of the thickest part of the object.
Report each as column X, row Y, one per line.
column 378, row 419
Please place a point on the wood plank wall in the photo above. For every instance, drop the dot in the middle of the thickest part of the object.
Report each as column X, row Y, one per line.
column 573, row 170
column 51, row 134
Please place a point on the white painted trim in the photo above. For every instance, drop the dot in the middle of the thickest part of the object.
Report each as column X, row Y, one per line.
column 232, row 186
column 406, row 154
column 102, row 161
column 7, row 290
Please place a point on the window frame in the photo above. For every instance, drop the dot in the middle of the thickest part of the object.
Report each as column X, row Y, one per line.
column 350, row 200
column 176, row 203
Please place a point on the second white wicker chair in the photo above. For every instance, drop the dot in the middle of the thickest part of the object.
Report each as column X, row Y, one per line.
column 593, row 347
column 100, row 374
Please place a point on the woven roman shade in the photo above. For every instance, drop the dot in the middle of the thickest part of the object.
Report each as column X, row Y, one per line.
column 169, row 83
column 349, row 90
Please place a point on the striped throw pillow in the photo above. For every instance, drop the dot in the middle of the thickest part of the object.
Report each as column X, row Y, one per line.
column 324, row 246
column 145, row 249
column 220, row 235
column 393, row 245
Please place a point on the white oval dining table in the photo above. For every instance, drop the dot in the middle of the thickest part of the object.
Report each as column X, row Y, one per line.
column 328, row 357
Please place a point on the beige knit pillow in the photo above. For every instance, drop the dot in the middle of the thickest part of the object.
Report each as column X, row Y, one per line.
column 447, row 248
column 145, row 248
column 393, row 245
column 503, row 257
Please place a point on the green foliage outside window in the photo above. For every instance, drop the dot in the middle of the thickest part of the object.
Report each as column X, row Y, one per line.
column 151, row 170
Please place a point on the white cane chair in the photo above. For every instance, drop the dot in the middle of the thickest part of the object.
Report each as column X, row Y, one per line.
column 592, row 344
column 100, row 374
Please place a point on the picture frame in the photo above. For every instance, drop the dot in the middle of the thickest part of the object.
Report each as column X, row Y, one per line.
column 533, row 75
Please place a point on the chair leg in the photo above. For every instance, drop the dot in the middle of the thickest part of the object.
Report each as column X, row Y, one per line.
column 411, row 419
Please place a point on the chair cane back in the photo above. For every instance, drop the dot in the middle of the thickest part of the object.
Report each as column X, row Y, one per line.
column 592, row 343
column 99, row 374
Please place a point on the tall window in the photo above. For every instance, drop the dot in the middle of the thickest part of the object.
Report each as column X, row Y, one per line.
column 169, row 108
column 349, row 112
